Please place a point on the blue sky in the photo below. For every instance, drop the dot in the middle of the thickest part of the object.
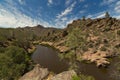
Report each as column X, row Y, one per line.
column 53, row 13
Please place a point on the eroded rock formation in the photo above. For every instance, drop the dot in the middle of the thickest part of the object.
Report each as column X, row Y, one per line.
column 37, row 73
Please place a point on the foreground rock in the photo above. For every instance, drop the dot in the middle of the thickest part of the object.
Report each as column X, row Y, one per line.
column 67, row 75
column 36, row 74
column 43, row 74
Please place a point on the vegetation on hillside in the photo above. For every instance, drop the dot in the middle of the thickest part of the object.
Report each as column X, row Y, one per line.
column 97, row 35
column 82, row 77
column 81, row 36
column 14, row 62
column 15, row 58
column 93, row 37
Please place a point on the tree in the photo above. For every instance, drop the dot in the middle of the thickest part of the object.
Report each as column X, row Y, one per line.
column 107, row 15
column 12, row 63
column 83, row 18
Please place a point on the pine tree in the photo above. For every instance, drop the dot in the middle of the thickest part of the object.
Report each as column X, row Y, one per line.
column 107, row 15
column 83, row 18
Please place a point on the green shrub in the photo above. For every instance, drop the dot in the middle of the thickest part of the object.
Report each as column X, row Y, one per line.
column 70, row 55
column 76, row 38
column 107, row 28
column 118, row 32
column 13, row 63
column 82, row 77
column 90, row 45
column 103, row 48
column 75, row 77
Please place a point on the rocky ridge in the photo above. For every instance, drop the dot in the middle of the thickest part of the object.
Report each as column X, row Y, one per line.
column 101, row 36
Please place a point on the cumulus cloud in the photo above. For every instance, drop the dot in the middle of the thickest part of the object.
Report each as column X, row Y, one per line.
column 66, row 11
column 62, row 20
column 15, row 19
column 10, row 16
column 117, row 7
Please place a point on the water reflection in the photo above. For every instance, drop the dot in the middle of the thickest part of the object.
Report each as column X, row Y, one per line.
column 48, row 57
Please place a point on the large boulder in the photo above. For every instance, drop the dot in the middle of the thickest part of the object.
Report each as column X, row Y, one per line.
column 66, row 75
column 36, row 74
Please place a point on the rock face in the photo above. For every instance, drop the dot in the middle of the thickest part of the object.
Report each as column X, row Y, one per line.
column 100, row 57
column 57, row 45
column 43, row 74
column 36, row 74
column 67, row 75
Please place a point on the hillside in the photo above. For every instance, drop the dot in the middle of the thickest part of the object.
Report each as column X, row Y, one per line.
column 93, row 40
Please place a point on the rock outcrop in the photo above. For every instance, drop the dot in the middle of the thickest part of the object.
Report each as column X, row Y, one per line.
column 67, row 75
column 43, row 74
column 37, row 73
column 100, row 57
column 57, row 45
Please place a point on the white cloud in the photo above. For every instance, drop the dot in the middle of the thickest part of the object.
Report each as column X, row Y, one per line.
column 117, row 7
column 10, row 2
column 82, row 11
column 100, row 15
column 10, row 16
column 118, row 3
column 86, row 6
column 12, row 20
column 50, row 2
column 22, row 2
column 116, row 10
column 113, row 7
column 107, row 2
column 70, row 20
column 97, row 15
column 117, row 16
column 89, row 16
column 67, row 2
column 62, row 20
column 66, row 11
